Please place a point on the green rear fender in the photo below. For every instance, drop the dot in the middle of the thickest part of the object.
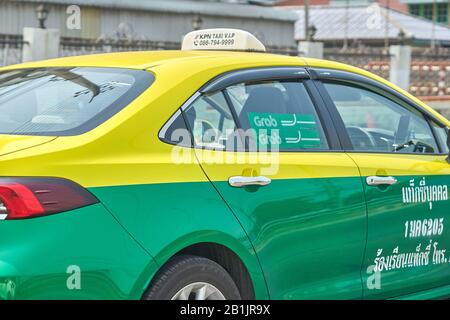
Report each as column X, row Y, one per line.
column 242, row 248
column 169, row 217
column 80, row 254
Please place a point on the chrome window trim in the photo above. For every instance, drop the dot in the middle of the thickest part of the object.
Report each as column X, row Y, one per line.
column 163, row 131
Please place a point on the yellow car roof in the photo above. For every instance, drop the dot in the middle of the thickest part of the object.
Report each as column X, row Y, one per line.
column 148, row 59
column 202, row 60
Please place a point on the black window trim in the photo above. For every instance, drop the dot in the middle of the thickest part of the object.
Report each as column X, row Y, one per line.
column 325, row 118
column 237, row 121
column 433, row 131
column 335, row 118
column 319, row 75
column 258, row 74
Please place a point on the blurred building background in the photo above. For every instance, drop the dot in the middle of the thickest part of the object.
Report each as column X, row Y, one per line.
column 362, row 32
column 164, row 21
column 421, row 8
column 406, row 41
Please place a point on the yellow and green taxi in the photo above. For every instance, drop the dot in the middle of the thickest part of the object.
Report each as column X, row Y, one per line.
column 218, row 174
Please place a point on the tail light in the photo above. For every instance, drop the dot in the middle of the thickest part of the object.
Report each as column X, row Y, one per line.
column 23, row 198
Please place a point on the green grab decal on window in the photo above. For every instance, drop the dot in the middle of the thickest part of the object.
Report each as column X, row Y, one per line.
column 287, row 131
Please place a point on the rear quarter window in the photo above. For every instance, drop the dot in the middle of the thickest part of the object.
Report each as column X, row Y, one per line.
column 65, row 101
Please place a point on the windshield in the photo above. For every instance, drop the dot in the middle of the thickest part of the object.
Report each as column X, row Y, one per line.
column 65, row 101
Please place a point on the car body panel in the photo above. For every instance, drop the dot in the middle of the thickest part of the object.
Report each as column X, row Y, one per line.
column 308, row 226
column 192, row 211
column 160, row 205
column 36, row 256
column 439, row 293
column 389, row 210
column 9, row 143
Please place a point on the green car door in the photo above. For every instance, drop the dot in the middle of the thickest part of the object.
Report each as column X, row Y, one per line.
column 298, row 197
column 402, row 156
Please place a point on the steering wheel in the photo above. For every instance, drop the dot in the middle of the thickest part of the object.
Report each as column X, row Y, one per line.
column 419, row 146
column 361, row 138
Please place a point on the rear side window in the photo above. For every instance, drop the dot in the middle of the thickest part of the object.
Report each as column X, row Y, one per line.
column 277, row 114
column 257, row 116
column 65, row 101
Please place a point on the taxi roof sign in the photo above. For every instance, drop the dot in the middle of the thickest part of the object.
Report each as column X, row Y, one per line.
column 222, row 39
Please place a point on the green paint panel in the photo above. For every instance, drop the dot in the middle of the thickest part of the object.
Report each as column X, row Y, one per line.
column 166, row 218
column 299, row 238
column 35, row 255
column 408, row 237
column 309, row 234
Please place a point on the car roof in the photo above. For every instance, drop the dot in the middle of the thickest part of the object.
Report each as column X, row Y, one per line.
column 202, row 60
column 147, row 59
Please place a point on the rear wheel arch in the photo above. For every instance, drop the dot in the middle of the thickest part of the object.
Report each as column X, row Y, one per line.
column 223, row 256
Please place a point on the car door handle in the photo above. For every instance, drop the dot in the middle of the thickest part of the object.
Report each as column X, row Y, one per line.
column 240, row 181
column 381, row 181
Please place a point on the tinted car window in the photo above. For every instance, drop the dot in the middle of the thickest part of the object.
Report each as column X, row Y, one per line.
column 277, row 114
column 211, row 122
column 376, row 123
column 65, row 101
column 176, row 131
column 264, row 116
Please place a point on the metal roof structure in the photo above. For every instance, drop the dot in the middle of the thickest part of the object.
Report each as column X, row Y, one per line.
column 369, row 23
column 184, row 6
column 151, row 20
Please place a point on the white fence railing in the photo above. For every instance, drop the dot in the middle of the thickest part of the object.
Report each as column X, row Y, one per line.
column 10, row 50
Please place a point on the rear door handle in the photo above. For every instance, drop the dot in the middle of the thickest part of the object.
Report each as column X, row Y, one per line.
column 240, row 181
column 381, row 181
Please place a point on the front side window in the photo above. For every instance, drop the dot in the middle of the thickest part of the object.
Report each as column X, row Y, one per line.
column 65, row 101
column 378, row 124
